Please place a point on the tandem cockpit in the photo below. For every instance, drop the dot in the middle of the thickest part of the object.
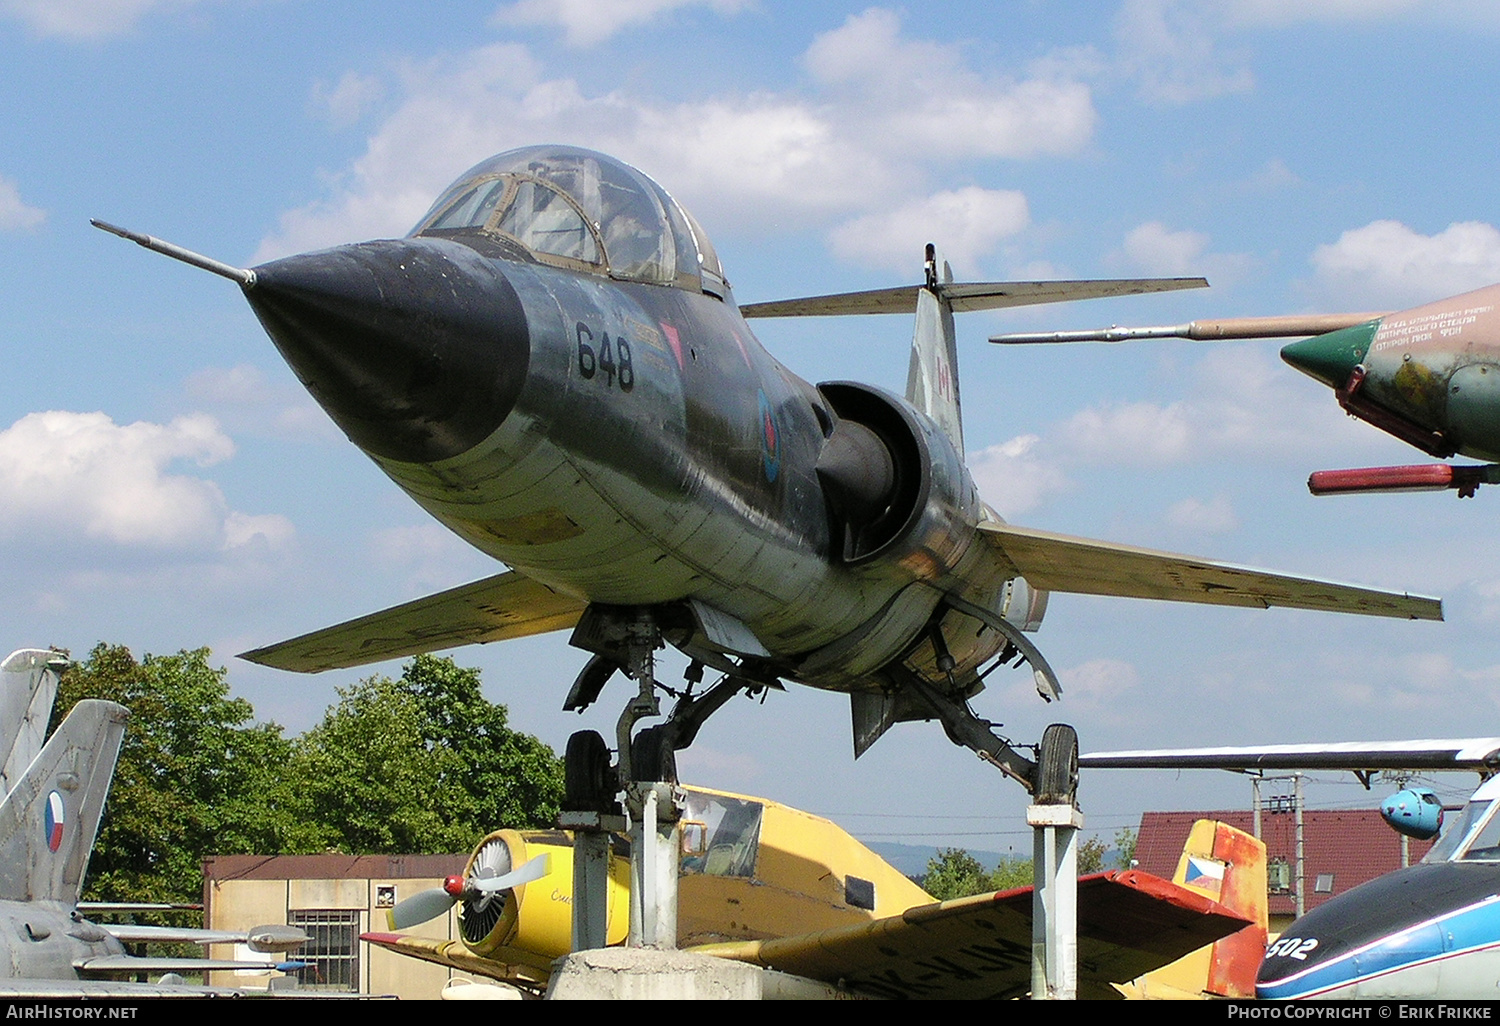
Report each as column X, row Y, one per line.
column 574, row 208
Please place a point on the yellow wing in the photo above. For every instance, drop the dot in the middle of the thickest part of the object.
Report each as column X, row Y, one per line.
column 497, row 608
column 1060, row 562
column 1129, row 922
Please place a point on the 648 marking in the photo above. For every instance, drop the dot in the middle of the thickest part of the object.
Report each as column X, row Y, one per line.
column 611, row 359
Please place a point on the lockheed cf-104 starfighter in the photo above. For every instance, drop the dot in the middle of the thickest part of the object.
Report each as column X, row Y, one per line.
column 554, row 366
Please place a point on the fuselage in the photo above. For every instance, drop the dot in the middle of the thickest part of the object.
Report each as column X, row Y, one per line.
column 1428, row 931
column 629, row 442
column 41, row 941
column 1429, row 375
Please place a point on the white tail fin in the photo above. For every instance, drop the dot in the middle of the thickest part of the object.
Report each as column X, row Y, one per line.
column 50, row 818
column 28, row 685
column 932, row 379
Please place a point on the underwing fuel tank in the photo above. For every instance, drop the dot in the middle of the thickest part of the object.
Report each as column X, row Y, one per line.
column 1429, row 375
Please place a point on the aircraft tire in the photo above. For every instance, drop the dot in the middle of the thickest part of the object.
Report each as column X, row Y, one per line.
column 652, row 757
column 1057, row 766
column 587, row 783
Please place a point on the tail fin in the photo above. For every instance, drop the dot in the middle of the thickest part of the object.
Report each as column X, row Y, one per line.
column 28, row 685
column 1229, row 866
column 932, row 378
column 50, row 818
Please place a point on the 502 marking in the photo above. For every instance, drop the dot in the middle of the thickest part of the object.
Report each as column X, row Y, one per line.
column 613, row 360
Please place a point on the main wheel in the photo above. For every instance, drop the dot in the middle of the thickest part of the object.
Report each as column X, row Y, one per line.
column 652, row 758
column 1057, row 766
column 588, row 783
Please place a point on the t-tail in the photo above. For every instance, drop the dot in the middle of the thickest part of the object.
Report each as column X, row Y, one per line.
column 1229, row 866
column 50, row 818
column 28, row 686
column 932, row 378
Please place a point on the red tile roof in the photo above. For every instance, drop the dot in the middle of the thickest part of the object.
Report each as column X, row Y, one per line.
column 1353, row 845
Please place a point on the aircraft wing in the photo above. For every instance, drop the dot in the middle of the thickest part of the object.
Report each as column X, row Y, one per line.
column 454, row 955
column 497, row 608
column 1129, row 923
column 1481, row 754
column 966, row 296
column 1059, row 562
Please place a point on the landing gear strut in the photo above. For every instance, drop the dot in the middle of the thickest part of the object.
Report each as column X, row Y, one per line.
column 646, row 772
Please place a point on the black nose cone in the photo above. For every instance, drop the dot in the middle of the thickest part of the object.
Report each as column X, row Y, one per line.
column 417, row 348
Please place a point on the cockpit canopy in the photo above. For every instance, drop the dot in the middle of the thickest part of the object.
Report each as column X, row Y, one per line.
column 575, row 208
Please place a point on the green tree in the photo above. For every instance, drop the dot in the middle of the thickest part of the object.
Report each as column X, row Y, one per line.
column 955, row 874
column 196, row 775
column 1125, row 845
column 423, row 763
column 1010, row 874
column 1091, row 856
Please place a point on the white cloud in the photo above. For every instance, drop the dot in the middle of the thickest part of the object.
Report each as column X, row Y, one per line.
column 84, row 19
column 1242, row 404
column 755, row 162
column 921, row 94
column 349, row 99
column 15, row 214
column 242, row 397
column 1155, row 249
column 1013, row 478
column 1387, row 265
column 63, row 474
column 1216, row 516
column 1099, row 684
column 431, row 556
column 966, row 224
column 1169, row 49
column 588, row 22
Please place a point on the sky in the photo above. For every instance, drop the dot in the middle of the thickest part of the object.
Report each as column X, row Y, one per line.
column 165, row 483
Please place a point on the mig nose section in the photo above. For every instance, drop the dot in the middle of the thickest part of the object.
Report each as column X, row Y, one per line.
column 417, row 349
column 1331, row 358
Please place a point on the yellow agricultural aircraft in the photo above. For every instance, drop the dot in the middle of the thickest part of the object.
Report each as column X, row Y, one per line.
column 770, row 885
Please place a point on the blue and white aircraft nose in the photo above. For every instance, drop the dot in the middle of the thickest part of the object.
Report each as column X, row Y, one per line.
column 417, row 348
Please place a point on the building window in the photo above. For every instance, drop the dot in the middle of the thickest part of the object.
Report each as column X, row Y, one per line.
column 1324, row 884
column 332, row 950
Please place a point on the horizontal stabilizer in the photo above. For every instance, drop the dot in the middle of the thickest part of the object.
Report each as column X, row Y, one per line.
column 1059, row 562
column 111, row 965
column 259, row 938
column 497, row 608
column 964, row 297
column 1481, row 754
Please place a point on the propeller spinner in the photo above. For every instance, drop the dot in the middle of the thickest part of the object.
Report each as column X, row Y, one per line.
column 489, row 875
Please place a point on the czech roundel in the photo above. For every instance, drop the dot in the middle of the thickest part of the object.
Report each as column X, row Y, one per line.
column 55, row 820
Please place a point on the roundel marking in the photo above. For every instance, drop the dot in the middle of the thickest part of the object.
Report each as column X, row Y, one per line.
column 55, row 820
column 770, row 438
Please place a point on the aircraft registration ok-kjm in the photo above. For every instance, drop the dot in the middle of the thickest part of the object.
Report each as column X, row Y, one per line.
column 553, row 365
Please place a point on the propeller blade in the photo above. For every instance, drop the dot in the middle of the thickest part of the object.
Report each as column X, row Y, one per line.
column 533, row 870
column 419, row 908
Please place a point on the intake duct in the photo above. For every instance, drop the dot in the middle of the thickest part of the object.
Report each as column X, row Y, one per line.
column 873, row 469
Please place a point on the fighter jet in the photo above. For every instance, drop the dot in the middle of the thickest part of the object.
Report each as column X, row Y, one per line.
column 1429, row 375
column 554, row 366
column 48, row 823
